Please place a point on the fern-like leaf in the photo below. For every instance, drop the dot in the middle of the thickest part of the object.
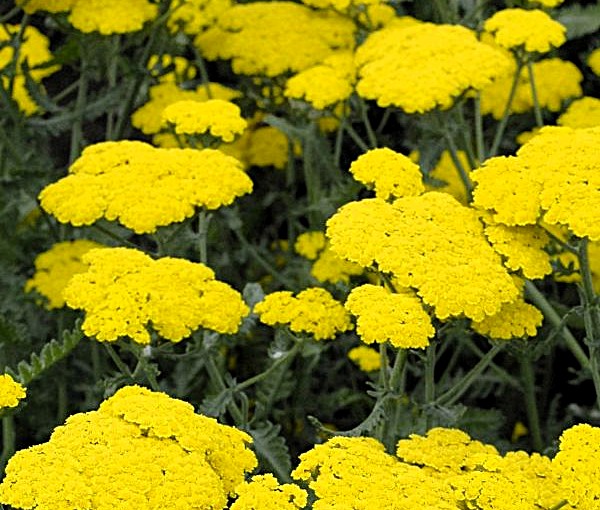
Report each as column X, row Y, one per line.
column 271, row 449
column 580, row 20
column 52, row 352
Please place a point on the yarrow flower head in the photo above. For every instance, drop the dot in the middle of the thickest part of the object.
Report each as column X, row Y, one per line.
column 532, row 30
column 272, row 38
column 593, row 61
column 124, row 291
column 141, row 449
column 581, row 113
column 437, row 63
column 216, row 117
column 55, row 267
column 195, row 16
column 143, row 187
column 313, row 311
column 265, row 493
column 111, row 16
column 385, row 316
column 367, row 359
column 391, row 174
column 11, row 392
column 553, row 177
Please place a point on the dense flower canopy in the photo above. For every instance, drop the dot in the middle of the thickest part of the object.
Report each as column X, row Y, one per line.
column 124, row 291
column 140, row 447
column 437, row 64
column 143, row 187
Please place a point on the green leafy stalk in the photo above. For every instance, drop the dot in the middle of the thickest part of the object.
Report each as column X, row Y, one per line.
column 479, row 142
column 8, row 440
column 533, row 417
column 536, row 104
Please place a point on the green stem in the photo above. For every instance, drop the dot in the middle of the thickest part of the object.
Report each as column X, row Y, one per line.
column 500, row 372
column 458, row 390
column 430, row 358
column 550, row 313
column 464, row 175
column 8, row 440
column 536, row 104
column 533, row 418
column 217, row 379
column 384, row 363
column 479, row 142
column 384, row 120
column 203, row 222
column 112, row 81
column 203, row 72
column 143, row 363
column 365, row 118
column 287, row 358
column 356, row 137
column 591, row 314
column 77, row 129
column 123, row 368
column 339, row 138
column 506, row 114
column 114, row 236
column 466, row 136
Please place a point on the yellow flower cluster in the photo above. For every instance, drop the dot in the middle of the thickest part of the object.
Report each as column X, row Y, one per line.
column 266, row 146
column 532, row 30
column 222, row 119
column 141, row 449
column 55, row 267
column 446, row 469
column 391, row 174
column 367, row 359
column 143, row 187
column 581, row 113
column 555, row 81
column 553, row 177
column 547, row 3
column 327, row 266
column 195, row 16
column 33, row 50
column 124, row 291
column 430, row 243
column 31, row 6
column 383, row 316
column 10, row 392
column 326, row 84
column 514, row 320
column 148, row 117
column 313, row 311
column 437, row 64
column 263, row 492
column 272, row 38
column 111, row 16
column 594, row 61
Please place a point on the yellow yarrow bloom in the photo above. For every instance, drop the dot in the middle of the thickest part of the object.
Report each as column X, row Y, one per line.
column 111, row 16
column 430, row 243
column 267, row 146
column 219, row 118
column 31, row 6
column 195, row 16
column 148, row 117
column 391, row 174
column 313, row 311
column 367, row 359
column 581, row 113
column 383, row 316
column 594, row 61
column 549, row 4
column 310, row 244
column 11, row 392
column 140, row 449
column 553, row 177
column 437, row 64
column 514, row 320
column 124, row 291
column 265, row 493
column 55, row 267
column 556, row 80
column 143, row 187
column 272, row 38
column 533, row 30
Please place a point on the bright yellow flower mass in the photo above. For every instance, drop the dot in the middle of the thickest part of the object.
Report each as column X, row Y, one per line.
column 11, row 392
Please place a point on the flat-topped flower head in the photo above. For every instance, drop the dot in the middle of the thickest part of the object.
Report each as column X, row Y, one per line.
column 272, row 38
column 264, row 492
column 11, row 392
column 313, row 311
column 367, row 358
column 141, row 449
column 124, row 292
column 553, row 177
column 55, row 267
column 31, row 6
column 216, row 117
column 383, row 316
column 581, row 113
column 391, row 174
column 430, row 243
column 111, row 16
column 517, row 319
column 530, row 30
column 143, row 187
column 437, row 63
column 195, row 16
